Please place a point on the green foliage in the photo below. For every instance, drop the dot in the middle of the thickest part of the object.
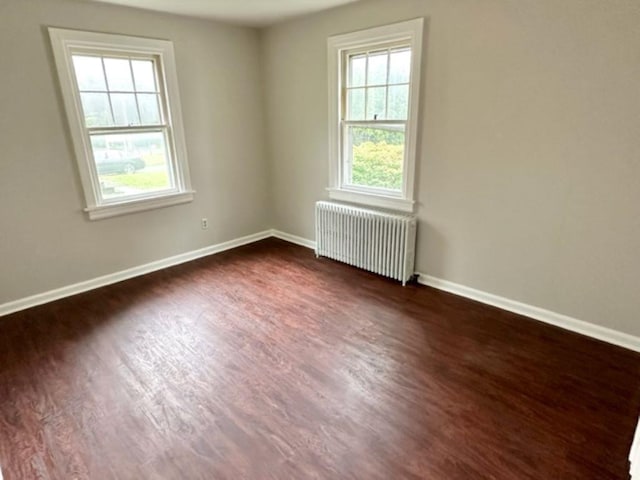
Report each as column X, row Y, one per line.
column 378, row 164
column 153, row 159
column 141, row 180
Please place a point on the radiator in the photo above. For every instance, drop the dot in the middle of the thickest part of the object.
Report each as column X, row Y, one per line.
column 373, row 240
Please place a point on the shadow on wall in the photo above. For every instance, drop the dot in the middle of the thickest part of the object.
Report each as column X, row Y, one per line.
column 436, row 250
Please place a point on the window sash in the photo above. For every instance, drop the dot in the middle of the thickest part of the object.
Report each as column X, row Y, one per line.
column 162, row 127
column 106, row 53
column 367, row 52
column 171, row 166
column 346, row 158
column 373, row 123
column 127, row 129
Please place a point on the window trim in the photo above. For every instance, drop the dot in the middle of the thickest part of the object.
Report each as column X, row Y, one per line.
column 409, row 32
column 64, row 43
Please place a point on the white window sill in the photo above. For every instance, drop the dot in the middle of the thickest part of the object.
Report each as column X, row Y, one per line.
column 138, row 205
column 372, row 200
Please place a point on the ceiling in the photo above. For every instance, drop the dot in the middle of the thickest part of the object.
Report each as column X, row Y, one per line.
column 257, row 13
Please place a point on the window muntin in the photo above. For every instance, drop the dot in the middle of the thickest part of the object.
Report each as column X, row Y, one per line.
column 129, row 142
column 374, row 78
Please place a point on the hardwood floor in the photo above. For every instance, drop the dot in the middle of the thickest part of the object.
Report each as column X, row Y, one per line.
column 266, row 363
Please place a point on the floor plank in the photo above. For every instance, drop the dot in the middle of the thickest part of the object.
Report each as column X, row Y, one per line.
column 267, row 363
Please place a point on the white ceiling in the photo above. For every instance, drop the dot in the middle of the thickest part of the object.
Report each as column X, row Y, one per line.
column 244, row 12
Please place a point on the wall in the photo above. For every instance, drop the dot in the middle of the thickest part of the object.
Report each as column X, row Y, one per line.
column 529, row 163
column 46, row 241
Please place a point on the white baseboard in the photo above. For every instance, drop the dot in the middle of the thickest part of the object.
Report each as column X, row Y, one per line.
column 104, row 280
column 303, row 242
column 563, row 321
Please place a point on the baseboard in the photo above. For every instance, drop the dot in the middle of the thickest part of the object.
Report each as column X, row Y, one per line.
column 563, row 321
column 303, row 242
column 111, row 278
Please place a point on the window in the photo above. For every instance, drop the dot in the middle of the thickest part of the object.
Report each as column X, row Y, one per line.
column 373, row 89
column 121, row 97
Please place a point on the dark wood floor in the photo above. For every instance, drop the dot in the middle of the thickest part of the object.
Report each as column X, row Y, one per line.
column 266, row 363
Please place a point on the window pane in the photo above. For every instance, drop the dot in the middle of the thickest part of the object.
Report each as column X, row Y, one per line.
column 96, row 109
column 357, row 66
column 144, row 75
column 89, row 73
column 376, row 156
column 118, row 74
column 376, row 99
column 355, row 104
column 400, row 66
column 124, row 109
column 377, row 71
column 149, row 111
column 398, row 102
column 131, row 164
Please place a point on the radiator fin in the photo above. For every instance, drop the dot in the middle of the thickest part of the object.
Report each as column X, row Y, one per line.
column 373, row 240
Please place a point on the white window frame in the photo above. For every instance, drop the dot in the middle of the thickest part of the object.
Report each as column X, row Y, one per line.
column 338, row 47
column 65, row 43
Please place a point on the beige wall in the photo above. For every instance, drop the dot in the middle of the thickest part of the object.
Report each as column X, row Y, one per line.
column 46, row 241
column 529, row 166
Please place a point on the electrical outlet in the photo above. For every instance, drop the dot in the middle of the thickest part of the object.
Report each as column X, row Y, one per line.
column 204, row 223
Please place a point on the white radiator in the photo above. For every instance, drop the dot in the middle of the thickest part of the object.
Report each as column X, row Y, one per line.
column 380, row 242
